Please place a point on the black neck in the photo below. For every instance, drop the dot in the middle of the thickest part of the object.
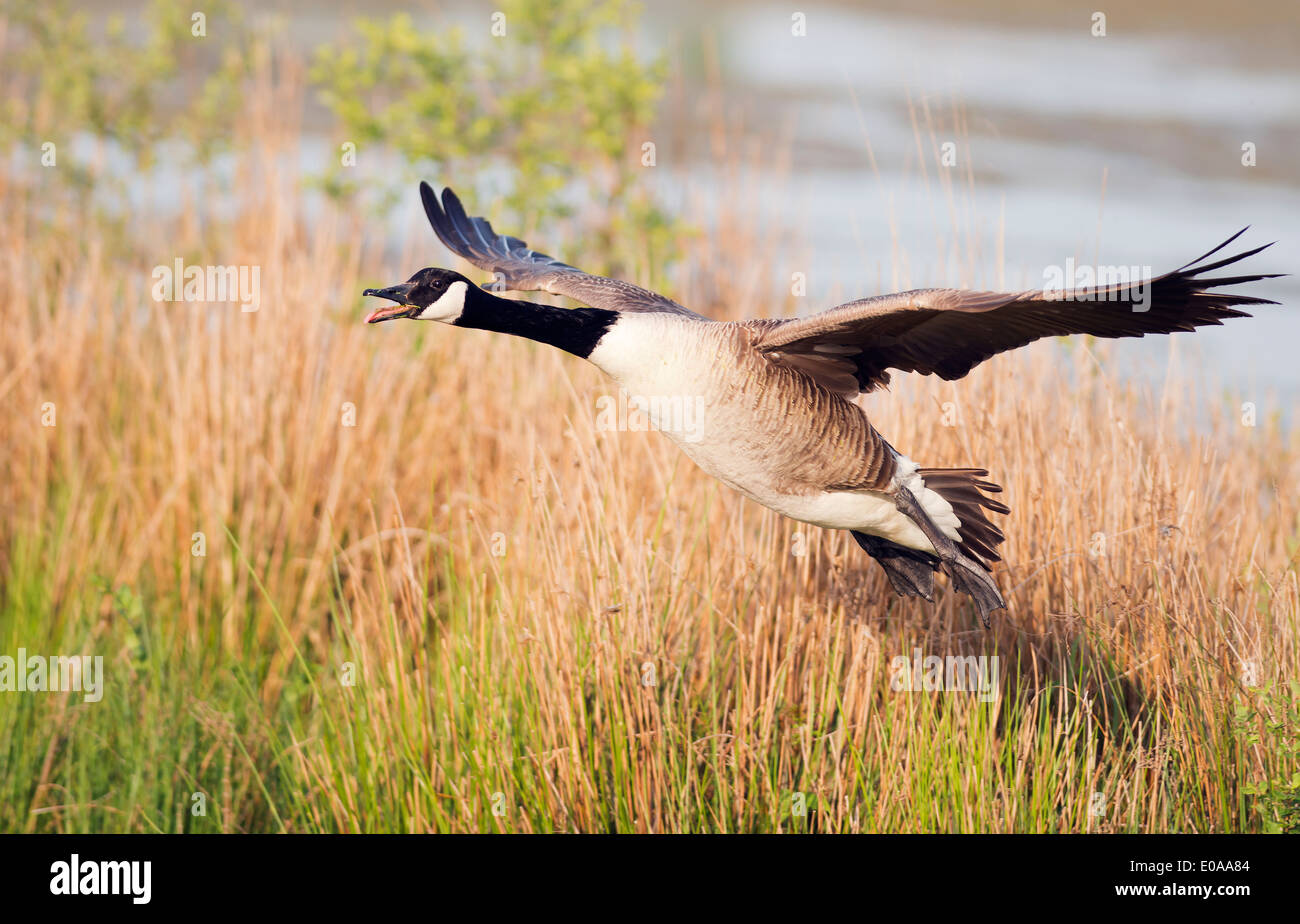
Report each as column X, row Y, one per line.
column 575, row 330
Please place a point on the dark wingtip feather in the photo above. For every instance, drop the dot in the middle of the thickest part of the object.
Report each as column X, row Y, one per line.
column 437, row 218
column 1236, row 280
column 1215, row 250
column 452, row 206
column 432, row 210
column 452, row 225
column 1197, row 270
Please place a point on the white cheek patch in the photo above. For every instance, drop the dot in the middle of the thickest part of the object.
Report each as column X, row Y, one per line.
column 448, row 306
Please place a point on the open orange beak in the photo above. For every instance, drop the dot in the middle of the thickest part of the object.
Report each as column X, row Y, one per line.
column 397, row 294
column 387, row 313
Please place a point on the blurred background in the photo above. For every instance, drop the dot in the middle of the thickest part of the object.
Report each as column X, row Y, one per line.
column 1141, row 135
column 391, row 578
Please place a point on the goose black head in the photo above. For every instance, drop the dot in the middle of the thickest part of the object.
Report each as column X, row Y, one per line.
column 430, row 295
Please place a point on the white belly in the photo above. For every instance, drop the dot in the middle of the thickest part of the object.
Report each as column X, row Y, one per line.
column 665, row 366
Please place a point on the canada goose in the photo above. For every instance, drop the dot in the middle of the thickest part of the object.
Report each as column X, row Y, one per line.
column 777, row 419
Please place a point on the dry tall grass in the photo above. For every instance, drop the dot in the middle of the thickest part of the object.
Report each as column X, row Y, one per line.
column 506, row 579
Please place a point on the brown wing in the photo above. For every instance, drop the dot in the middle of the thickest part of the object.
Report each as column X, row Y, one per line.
column 947, row 332
column 520, row 269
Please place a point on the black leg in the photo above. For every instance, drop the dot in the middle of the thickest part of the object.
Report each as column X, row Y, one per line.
column 910, row 571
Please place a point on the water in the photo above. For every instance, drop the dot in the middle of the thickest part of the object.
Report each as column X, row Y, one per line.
column 1124, row 150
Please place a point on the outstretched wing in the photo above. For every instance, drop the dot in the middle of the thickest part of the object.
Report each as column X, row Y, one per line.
column 523, row 270
column 947, row 332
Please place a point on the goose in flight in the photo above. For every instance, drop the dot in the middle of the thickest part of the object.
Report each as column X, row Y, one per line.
column 776, row 417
